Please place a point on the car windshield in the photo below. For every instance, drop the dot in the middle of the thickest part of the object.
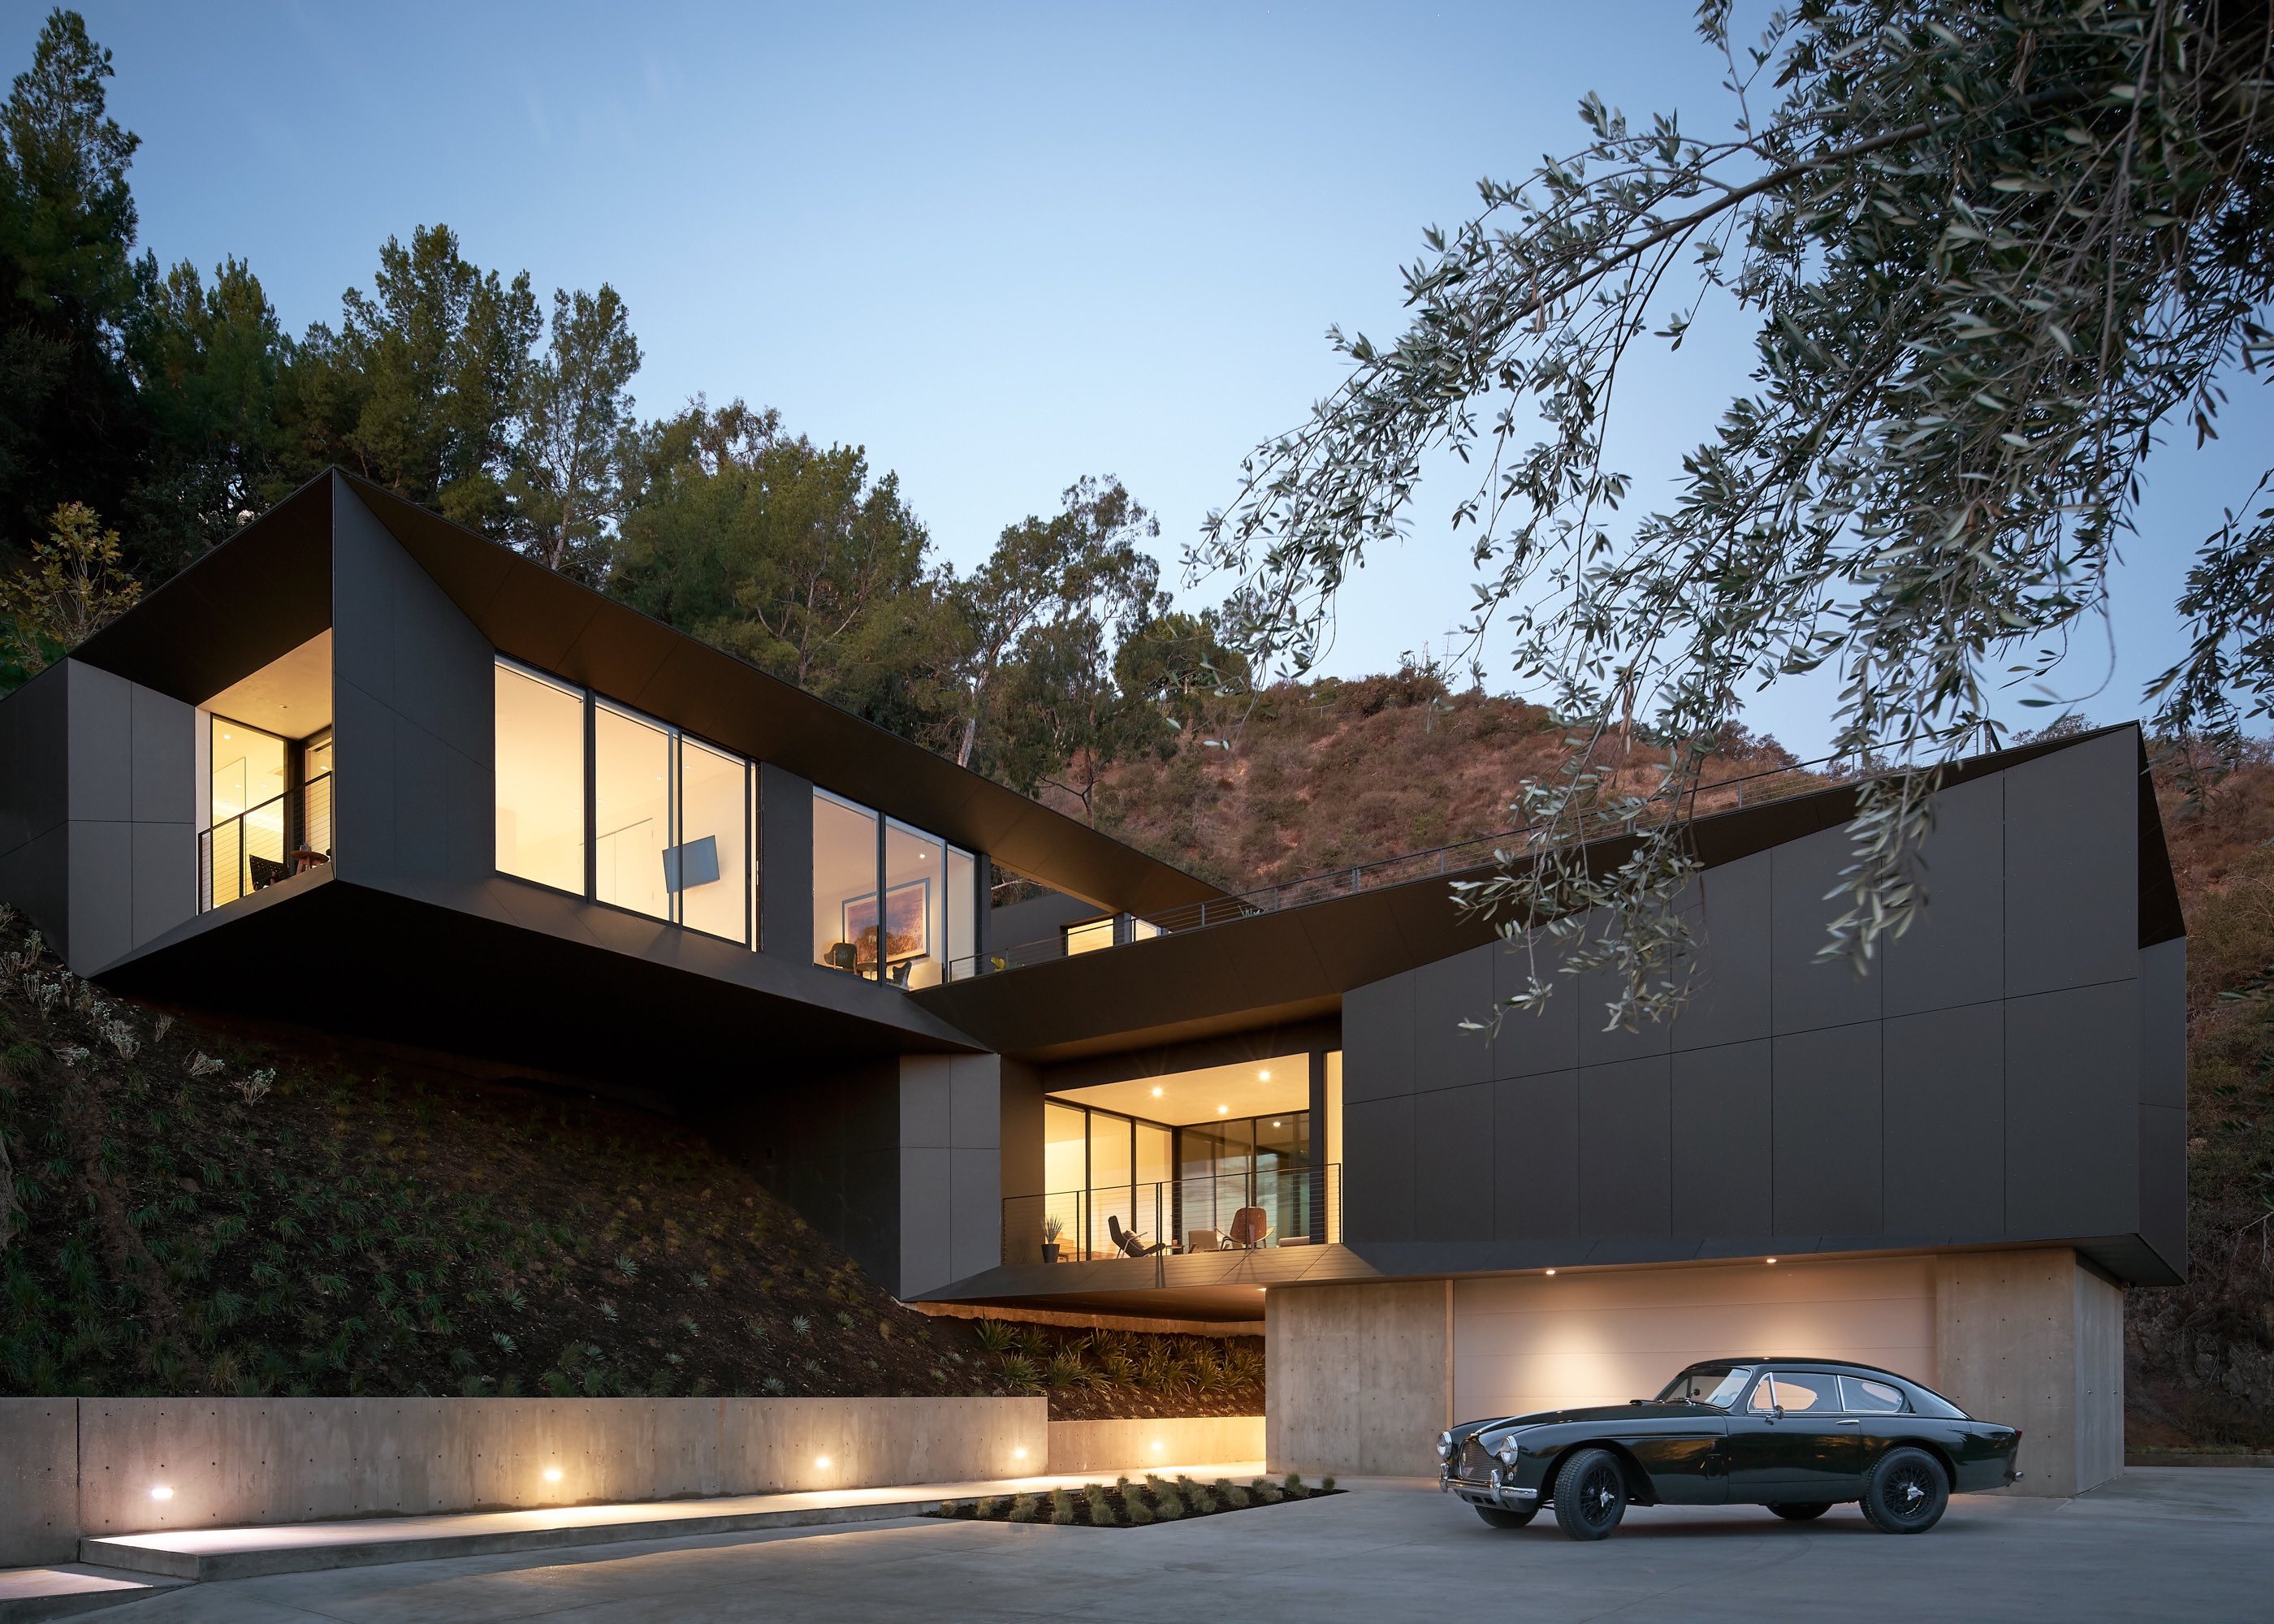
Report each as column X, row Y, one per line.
column 1714, row 1386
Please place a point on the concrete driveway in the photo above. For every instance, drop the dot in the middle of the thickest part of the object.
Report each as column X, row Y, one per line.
column 2173, row 1543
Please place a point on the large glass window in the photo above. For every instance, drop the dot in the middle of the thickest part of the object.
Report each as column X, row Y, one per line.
column 846, row 927
column 962, row 910
column 1113, row 1195
column 245, row 810
column 1066, row 1175
column 915, row 900
column 631, row 811
column 541, row 780
column 708, row 869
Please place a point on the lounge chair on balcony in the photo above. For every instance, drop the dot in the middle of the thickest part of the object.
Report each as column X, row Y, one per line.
column 1251, row 1228
column 265, row 871
column 1128, row 1242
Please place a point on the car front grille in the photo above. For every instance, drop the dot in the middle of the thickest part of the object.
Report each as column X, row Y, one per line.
column 1473, row 1463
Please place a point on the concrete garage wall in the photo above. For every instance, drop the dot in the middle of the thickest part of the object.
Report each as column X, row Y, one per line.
column 1531, row 1341
column 252, row 1460
column 1127, row 1446
column 39, row 1480
column 2035, row 1340
column 1357, row 1377
column 1362, row 1377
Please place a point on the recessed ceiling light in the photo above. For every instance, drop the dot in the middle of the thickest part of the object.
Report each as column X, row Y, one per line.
column 1156, row 1093
column 1263, row 1077
column 1222, row 1109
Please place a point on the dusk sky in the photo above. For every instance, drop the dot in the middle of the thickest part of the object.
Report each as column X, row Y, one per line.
column 999, row 247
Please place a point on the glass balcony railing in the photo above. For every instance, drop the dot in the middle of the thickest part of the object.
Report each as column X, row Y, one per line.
column 285, row 835
column 1201, row 1212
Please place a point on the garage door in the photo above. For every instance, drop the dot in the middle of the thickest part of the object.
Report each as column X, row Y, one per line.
column 1540, row 1342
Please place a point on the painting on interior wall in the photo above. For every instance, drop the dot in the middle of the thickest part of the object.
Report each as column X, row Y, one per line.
column 907, row 923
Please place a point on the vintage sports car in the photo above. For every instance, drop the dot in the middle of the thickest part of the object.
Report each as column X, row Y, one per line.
column 1799, row 1436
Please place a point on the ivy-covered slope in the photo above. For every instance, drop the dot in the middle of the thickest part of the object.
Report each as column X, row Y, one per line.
column 184, row 1214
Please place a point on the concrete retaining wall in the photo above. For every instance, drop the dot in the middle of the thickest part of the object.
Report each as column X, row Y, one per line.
column 1359, row 1376
column 89, row 1465
column 2035, row 1340
column 1127, row 1446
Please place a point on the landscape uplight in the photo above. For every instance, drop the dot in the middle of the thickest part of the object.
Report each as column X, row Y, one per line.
column 160, row 1492
column 821, row 1461
column 553, row 1474
column 1551, row 1271
column 1772, row 1260
column 1018, row 1454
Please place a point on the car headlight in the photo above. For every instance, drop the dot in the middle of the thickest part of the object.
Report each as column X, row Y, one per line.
column 1507, row 1450
column 1444, row 1446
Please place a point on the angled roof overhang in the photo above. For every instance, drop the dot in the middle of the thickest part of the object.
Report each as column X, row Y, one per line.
column 268, row 590
column 1296, row 963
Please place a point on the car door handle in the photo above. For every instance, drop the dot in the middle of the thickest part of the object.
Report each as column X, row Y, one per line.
column 1851, row 1424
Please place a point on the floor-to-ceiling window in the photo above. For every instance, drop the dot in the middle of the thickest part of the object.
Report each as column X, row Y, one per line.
column 541, row 780
column 1062, row 1215
column 631, row 811
column 245, row 810
column 671, row 817
column 845, row 878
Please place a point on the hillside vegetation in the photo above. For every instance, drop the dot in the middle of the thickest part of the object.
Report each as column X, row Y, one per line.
column 186, row 1214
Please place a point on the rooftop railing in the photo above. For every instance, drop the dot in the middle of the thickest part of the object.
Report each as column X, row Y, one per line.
column 285, row 835
column 1724, row 794
column 1201, row 1211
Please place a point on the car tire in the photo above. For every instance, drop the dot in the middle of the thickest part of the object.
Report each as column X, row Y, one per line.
column 1905, row 1493
column 1496, row 1516
column 1801, row 1511
column 1591, row 1494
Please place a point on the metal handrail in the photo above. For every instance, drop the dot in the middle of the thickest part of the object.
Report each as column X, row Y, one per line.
column 1458, row 857
column 1173, row 1215
column 252, row 849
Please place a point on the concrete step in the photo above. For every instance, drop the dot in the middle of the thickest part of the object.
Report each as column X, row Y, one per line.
column 27, row 1594
column 204, row 1554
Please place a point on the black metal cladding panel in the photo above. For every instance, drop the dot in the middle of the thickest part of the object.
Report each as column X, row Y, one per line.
column 1625, row 1150
column 2072, row 867
column 1722, row 1139
column 1954, row 951
column 1447, row 994
column 1378, row 1170
column 2072, row 1112
column 165, row 760
column 1536, row 1156
column 1379, row 1040
column 1943, row 1082
column 1729, row 910
column 33, row 745
column 1828, row 1137
column 1811, row 992
column 1546, row 1037
column 784, row 863
column 101, row 760
column 1452, row 1151
column 2164, row 1184
column 2164, row 1024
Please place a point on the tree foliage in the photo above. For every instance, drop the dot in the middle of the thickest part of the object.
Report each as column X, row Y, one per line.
column 1986, row 251
column 74, row 584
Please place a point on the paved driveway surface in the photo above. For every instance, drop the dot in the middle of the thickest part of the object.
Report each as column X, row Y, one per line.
column 2176, row 1542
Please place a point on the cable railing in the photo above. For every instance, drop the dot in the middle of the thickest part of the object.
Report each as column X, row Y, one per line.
column 1201, row 1211
column 285, row 835
column 1460, row 857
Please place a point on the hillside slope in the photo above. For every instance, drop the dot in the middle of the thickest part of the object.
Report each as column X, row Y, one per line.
column 186, row 1214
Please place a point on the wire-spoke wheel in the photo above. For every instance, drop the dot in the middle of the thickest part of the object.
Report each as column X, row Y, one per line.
column 1907, row 1492
column 1591, row 1494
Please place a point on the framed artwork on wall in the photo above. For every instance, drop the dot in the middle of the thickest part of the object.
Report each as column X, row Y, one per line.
column 907, row 923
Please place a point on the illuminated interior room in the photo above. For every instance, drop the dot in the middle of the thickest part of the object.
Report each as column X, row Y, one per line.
column 267, row 740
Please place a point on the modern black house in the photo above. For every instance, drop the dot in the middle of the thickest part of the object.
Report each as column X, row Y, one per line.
column 363, row 778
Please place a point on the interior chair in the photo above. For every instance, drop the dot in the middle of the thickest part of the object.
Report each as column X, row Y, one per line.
column 1128, row 1242
column 1251, row 1227
column 265, row 871
column 1203, row 1240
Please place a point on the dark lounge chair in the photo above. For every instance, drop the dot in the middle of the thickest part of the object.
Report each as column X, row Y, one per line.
column 1128, row 1242
column 265, row 872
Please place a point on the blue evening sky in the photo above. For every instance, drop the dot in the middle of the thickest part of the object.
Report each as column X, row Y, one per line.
column 998, row 246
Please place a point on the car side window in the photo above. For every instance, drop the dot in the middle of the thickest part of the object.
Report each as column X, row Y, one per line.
column 1872, row 1398
column 1806, row 1392
column 1764, row 1398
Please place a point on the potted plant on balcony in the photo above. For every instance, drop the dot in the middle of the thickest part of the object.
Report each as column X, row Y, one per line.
column 1052, row 1228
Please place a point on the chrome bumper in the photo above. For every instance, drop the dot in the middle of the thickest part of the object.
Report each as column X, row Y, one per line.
column 1492, row 1493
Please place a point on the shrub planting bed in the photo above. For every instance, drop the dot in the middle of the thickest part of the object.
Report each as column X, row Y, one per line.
column 1126, row 1504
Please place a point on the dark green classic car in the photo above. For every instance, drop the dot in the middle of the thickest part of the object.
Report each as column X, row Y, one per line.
column 1798, row 1436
